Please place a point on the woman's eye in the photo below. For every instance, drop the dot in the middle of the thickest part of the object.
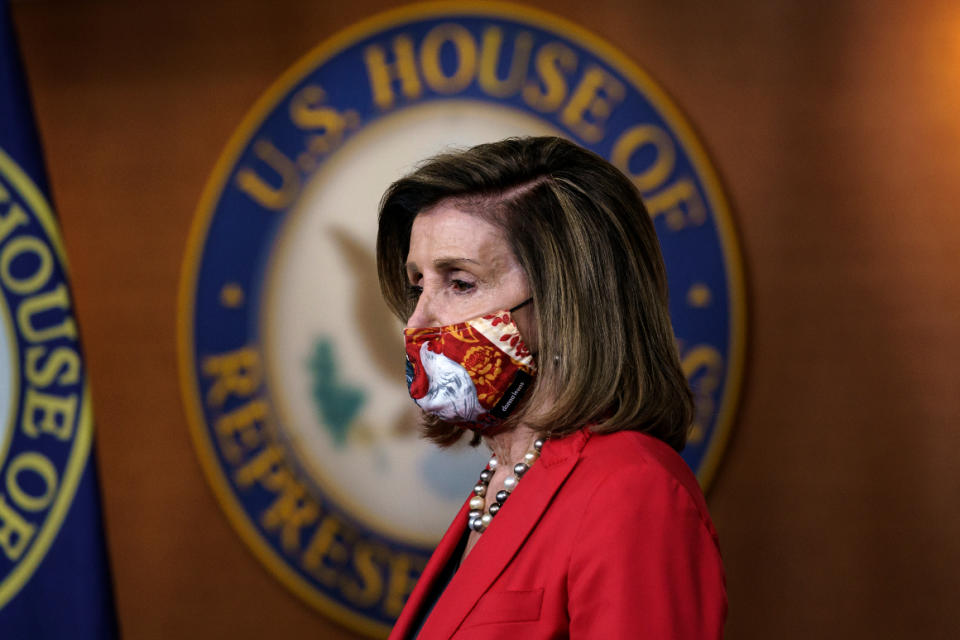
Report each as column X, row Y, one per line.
column 462, row 285
column 414, row 291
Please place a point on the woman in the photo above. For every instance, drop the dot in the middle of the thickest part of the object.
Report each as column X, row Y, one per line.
column 531, row 281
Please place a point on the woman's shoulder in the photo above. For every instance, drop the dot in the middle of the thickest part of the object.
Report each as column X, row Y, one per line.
column 634, row 464
column 644, row 556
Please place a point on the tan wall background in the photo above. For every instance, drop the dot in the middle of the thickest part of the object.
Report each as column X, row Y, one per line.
column 836, row 128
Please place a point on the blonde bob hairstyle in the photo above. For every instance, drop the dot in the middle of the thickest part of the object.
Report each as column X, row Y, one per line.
column 607, row 356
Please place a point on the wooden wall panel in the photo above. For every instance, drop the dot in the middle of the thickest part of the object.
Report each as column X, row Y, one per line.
column 835, row 129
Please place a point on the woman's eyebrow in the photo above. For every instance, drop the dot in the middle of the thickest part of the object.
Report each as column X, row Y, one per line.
column 444, row 262
column 448, row 262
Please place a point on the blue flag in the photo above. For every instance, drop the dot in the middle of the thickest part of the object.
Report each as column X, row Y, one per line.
column 54, row 577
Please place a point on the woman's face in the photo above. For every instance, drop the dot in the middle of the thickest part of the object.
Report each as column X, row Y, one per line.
column 460, row 267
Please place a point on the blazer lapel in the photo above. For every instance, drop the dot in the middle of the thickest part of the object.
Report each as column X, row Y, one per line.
column 438, row 560
column 501, row 541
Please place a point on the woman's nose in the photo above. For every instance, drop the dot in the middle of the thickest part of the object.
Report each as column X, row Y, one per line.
column 423, row 314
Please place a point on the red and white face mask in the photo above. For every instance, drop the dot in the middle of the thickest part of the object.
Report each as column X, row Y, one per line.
column 473, row 373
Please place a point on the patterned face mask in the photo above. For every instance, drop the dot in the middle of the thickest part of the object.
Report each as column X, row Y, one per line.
column 473, row 373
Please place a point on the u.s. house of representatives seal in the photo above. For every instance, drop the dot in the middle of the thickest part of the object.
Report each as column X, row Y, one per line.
column 45, row 418
column 292, row 367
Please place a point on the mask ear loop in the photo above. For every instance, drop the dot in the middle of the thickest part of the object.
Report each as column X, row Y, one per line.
column 522, row 304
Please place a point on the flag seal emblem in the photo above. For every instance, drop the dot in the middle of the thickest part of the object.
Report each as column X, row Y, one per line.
column 45, row 415
column 291, row 367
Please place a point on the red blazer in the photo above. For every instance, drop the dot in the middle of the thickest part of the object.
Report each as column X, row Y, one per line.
column 606, row 536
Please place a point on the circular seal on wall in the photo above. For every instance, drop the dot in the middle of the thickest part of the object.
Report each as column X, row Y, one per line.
column 292, row 367
column 45, row 418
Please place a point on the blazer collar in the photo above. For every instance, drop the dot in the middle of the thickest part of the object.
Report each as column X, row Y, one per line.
column 499, row 543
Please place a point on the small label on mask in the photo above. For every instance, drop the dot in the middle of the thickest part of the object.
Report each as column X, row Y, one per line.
column 512, row 396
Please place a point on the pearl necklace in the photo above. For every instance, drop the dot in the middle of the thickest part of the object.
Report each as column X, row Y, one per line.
column 477, row 520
